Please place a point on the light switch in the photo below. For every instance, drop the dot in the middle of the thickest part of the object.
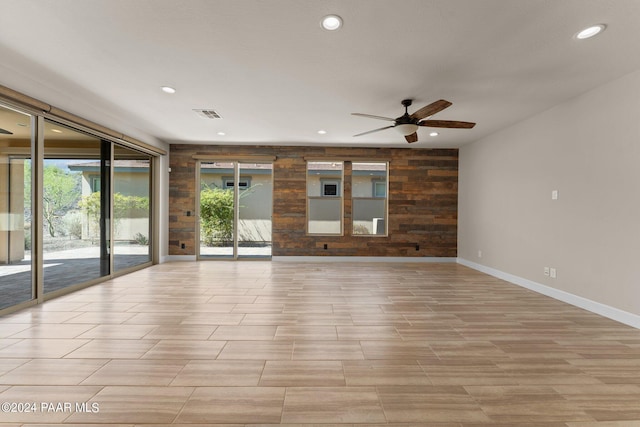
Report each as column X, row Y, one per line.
column 554, row 195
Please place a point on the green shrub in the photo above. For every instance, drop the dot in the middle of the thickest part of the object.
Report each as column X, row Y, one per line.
column 141, row 239
column 123, row 207
column 216, row 216
column 74, row 225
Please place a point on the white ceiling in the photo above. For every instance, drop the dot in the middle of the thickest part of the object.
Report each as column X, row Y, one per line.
column 277, row 78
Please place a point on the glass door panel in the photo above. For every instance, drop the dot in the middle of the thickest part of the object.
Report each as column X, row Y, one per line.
column 217, row 207
column 75, row 213
column 255, row 191
column 16, row 284
column 131, row 213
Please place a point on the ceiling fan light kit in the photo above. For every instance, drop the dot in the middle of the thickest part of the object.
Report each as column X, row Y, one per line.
column 408, row 124
column 406, row 128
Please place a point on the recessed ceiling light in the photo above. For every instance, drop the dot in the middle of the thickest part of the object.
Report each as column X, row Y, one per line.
column 591, row 31
column 322, row 132
column 168, row 89
column 434, row 134
column 331, row 22
column 56, row 130
column 221, row 133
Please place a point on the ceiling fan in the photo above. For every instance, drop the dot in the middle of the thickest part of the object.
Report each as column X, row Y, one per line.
column 408, row 124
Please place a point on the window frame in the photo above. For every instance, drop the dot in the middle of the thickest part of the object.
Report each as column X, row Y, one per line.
column 94, row 183
column 375, row 182
column 322, row 182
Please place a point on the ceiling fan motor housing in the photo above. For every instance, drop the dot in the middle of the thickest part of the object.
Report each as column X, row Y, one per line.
column 406, row 118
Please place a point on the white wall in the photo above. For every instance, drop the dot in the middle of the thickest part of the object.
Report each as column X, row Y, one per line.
column 589, row 150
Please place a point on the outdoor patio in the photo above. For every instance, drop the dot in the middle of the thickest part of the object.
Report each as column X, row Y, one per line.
column 63, row 269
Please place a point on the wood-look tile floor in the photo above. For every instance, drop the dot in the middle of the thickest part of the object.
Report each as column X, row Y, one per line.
column 260, row 343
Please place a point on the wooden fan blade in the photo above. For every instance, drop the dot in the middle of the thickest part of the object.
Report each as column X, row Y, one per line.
column 375, row 130
column 431, row 109
column 412, row 138
column 374, row 117
column 447, row 124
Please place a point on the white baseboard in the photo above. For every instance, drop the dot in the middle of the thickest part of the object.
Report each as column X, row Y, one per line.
column 360, row 259
column 177, row 258
column 578, row 301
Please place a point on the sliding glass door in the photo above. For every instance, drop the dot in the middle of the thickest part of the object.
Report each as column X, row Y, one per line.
column 255, row 193
column 16, row 278
column 235, row 210
column 75, row 214
column 75, row 207
column 131, row 208
column 217, row 207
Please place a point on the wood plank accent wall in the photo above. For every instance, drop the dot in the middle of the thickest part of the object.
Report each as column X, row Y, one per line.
column 423, row 200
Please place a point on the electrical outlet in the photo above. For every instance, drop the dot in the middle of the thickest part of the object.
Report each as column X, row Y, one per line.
column 546, row 271
column 183, row 246
column 326, row 246
column 479, row 254
column 554, row 195
column 553, row 273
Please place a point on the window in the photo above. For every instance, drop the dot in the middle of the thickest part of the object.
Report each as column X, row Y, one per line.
column 243, row 184
column 330, row 188
column 95, row 184
column 324, row 198
column 369, row 198
column 379, row 188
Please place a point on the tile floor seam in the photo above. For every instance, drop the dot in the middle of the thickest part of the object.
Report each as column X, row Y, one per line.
column 179, row 412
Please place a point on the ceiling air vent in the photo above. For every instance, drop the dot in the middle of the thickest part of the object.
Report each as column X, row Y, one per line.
column 208, row 114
